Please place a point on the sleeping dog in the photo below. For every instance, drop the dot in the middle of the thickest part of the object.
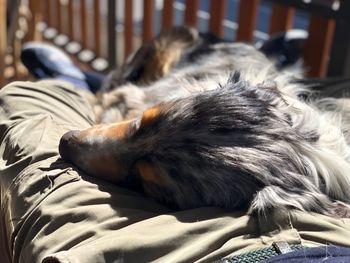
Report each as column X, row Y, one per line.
column 220, row 127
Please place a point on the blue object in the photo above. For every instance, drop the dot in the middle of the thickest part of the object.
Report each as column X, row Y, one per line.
column 47, row 61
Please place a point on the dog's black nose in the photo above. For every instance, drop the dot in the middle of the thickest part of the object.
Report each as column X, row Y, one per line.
column 67, row 144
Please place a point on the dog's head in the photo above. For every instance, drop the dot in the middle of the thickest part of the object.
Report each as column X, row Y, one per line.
column 154, row 59
column 213, row 148
column 175, row 46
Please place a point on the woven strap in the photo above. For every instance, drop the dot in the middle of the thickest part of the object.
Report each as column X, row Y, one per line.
column 257, row 255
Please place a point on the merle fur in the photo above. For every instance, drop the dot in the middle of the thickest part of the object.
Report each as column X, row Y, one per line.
column 236, row 140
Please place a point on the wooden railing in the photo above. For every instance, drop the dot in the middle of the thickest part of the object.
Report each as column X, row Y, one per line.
column 87, row 29
column 13, row 33
column 3, row 40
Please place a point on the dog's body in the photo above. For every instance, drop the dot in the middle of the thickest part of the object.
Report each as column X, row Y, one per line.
column 202, row 65
column 218, row 138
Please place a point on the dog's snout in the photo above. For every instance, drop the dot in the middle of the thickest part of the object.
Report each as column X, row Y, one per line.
column 67, row 143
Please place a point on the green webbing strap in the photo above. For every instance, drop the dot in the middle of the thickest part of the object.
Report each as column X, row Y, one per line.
column 259, row 255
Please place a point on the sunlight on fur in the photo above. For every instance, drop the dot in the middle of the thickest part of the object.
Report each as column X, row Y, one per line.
column 228, row 122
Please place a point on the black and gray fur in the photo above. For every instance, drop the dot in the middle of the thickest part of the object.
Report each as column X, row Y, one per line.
column 236, row 140
column 240, row 146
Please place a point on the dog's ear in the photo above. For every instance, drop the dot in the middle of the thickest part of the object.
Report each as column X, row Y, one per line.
column 131, row 71
column 147, row 63
column 181, row 36
column 154, row 59
column 134, row 68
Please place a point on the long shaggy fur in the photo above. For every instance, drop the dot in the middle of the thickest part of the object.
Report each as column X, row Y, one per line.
column 230, row 131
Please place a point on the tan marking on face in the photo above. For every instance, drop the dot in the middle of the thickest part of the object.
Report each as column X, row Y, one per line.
column 149, row 172
column 93, row 131
column 119, row 130
column 152, row 174
column 150, row 115
column 107, row 168
column 161, row 62
column 171, row 59
column 115, row 131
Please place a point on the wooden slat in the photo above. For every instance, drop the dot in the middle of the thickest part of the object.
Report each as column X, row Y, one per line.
column 319, row 7
column 36, row 8
column 12, row 12
column 217, row 15
column 168, row 14
column 147, row 33
column 3, row 41
column 318, row 44
column 111, row 16
column 83, row 27
column 16, row 52
column 71, row 19
column 281, row 18
column 248, row 12
column 58, row 16
column 97, row 27
column 44, row 11
column 128, row 28
column 191, row 18
column 16, row 45
column 339, row 64
column 65, row 17
column 53, row 14
column 50, row 18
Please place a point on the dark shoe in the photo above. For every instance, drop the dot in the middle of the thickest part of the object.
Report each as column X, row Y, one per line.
column 47, row 61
